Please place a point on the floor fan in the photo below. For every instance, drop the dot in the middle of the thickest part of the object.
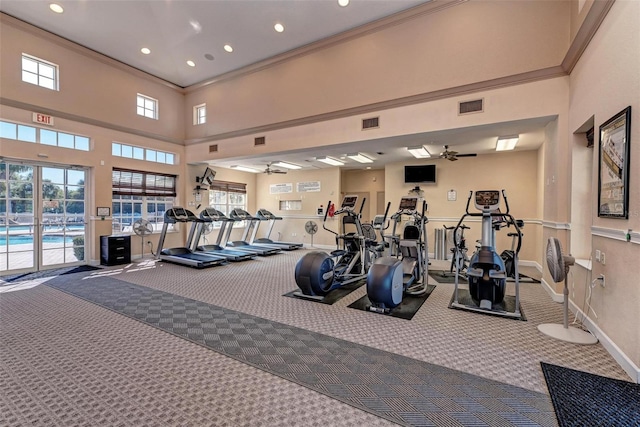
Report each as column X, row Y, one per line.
column 142, row 228
column 559, row 265
column 311, row 228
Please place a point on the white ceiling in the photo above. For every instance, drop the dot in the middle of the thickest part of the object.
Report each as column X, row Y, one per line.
column 181, row 30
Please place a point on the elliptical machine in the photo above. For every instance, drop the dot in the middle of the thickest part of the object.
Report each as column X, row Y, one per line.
column 390, row 278
column 318, row 273
column 486, row 272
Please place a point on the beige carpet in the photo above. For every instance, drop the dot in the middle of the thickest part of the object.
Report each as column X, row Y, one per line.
column 68, row 362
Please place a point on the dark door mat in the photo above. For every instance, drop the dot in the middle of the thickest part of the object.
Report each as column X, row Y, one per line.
column 445, row 276
column 508, row 304
column 395, row 387
column 82, row 268
column 333, row 296
column 583, row 399
column 406, row 310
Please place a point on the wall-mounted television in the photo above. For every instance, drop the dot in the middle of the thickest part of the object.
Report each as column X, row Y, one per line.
column 208, row 177
column 420, row 173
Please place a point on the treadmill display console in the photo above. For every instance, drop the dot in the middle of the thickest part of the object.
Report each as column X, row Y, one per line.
column 408, row 203
column 487, row 200
column 180, row 213
column 349, row 202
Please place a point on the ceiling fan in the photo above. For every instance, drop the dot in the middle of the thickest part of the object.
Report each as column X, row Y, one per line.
column 269, row 171
column 453, row 155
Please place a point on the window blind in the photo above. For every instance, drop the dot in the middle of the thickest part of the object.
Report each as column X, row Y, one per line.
column 139, row 183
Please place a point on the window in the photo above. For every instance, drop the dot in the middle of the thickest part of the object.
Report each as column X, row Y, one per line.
column 39, row 72
column 200, row 114
column 131, row 152
column 140, row 195
column 226, row 196
column 25, row 133
column 147, row 107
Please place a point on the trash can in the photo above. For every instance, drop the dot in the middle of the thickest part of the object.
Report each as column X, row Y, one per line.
column 440, row 246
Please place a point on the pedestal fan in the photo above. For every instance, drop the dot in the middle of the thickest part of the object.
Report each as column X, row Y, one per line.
column 311, row 228
column 142, row 228
column 559, row 265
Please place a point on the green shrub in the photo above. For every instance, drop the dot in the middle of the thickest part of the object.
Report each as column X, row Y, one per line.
column 78, row 247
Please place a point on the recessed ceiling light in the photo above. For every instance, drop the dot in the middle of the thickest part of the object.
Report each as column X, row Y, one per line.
column 330, row 161
column 145, row 50
column 286, row 165
column 278, row 27
column 419, row 152
column 343, row 3
column 208, row 56
column 56, row 8
column 244, row 169
column 359, row 157
column 505, row 143
column 191, row 63
column 228, row 48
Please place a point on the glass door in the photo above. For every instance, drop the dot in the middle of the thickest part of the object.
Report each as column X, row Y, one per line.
column 62, row 216
column 42, row 217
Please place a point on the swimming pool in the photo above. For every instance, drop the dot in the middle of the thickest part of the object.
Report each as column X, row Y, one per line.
column 28, row 239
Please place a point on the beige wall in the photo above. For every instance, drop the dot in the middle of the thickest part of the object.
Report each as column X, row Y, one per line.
column 468, row 43
column 365, row 181
column 515, row 172
column 91, row 89
column 605, row 81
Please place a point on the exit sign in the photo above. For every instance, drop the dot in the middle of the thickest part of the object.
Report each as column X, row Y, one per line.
column 43, row 119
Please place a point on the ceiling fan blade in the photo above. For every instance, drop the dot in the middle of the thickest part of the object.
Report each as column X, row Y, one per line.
column 467, row 155
column 452, row 158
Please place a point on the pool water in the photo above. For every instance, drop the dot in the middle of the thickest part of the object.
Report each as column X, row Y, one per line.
column 28, row 239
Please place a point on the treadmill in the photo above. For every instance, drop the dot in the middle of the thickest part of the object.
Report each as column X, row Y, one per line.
column 209, row 216
column 265, row 215
column 242, row 245
column 184, row 255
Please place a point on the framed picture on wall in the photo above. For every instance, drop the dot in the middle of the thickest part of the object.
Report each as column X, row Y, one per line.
column 613, row 166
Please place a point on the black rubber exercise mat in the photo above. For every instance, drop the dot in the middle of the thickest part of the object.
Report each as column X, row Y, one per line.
column 583, row 399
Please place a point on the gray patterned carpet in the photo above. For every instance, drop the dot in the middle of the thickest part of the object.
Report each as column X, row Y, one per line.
column 394, row 387
column 65, row 361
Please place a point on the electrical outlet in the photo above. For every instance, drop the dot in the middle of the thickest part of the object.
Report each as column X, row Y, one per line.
column 598, row 255
column 294, row 234
column 602, row 282
column 602, row 258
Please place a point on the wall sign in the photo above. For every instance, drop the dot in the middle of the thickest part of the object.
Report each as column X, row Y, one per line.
column 281, row 188
column 308, row 187
column 43, row 119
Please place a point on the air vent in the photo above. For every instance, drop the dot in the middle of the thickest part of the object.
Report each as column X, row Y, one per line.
column 372, row 123
column 261, row 140
column 476, row 106
column 213, row 148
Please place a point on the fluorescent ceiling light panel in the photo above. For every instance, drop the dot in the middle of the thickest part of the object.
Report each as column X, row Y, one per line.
column 419, row 152
column 286, row 165
column 506, row 143
column 330, row 161
column 244, row 169
column 360, row 158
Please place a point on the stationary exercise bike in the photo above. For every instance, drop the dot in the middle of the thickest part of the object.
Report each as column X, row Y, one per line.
column 486, row 273
column 318, row 273
column 390, row 278
column 459, row 257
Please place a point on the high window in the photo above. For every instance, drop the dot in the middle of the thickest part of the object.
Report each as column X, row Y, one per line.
column 200, row 114
column 39, row 72
column 140, row 195
column 147, row 106
column 139, row 153
column 26, row 133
